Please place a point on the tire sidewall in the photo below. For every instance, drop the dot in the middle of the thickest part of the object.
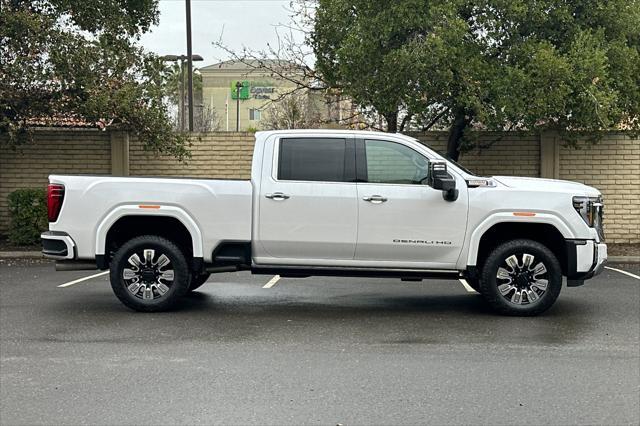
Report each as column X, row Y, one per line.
column 181, row 279
column 489, row 283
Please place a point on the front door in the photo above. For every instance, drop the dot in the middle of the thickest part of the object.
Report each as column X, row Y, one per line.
column 308, row 205
column 403, row 222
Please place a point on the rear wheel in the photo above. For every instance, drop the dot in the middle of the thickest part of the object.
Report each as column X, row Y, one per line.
column 149, row 274
column 198, row 280
column 521, row 277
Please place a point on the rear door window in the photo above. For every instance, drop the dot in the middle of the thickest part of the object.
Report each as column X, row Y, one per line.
column 316, row 159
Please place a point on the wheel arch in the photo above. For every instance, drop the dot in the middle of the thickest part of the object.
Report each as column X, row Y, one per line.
column 126, row 222
column 549, row 231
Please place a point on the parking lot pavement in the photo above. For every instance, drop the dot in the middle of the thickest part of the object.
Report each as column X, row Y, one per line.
column 314, row 351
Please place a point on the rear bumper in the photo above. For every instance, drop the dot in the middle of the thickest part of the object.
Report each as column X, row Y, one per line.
column 585, row 259
column 58, row 245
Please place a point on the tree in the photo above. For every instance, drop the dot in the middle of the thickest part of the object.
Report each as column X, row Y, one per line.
column 205, row 116
column 206, row 119
column 570, row 66
column 71, row 58
column 293, row 111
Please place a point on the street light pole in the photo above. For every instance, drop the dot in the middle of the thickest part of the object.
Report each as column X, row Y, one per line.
column 182, row 95
column 238, row 87
column 189, row 64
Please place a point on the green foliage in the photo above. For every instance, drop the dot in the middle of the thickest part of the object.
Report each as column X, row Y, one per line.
column 177, row 79
column 73, row 58
column 497, row 64
column 28, row 212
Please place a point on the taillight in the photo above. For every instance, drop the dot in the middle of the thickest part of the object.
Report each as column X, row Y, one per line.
column 55, row 197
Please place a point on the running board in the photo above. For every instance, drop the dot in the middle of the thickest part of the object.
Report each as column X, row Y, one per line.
column 308, row 271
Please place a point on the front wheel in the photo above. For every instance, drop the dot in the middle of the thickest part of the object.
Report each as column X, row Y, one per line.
column 521, row 278
column 149, row 274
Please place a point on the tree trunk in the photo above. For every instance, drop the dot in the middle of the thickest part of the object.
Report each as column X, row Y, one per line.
column 460, row 123
column 392, row 121
column 405, row 120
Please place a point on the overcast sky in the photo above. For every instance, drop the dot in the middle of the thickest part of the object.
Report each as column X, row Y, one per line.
column 241, row 22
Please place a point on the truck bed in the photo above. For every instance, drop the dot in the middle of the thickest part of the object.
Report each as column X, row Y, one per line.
column 220, row 209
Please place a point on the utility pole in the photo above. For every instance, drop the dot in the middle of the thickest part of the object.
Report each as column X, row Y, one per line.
column 189, row 64
column 238, row 87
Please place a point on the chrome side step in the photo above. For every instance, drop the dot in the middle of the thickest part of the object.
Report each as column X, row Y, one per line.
column 308, row 271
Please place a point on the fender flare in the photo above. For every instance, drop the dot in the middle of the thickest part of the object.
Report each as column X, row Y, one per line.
column 508, row 217
column 136, row 210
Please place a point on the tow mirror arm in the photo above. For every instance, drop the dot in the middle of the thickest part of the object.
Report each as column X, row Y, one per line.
column 439, row 178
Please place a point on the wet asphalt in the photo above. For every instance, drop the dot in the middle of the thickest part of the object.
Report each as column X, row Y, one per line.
column 314, row 351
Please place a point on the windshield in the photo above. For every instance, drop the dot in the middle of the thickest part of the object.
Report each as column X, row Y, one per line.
column 447, row 159
column 464, row 169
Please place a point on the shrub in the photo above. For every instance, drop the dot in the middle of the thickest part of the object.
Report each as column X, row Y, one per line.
column 28, row 211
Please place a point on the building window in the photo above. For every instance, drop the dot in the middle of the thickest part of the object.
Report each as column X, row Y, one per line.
column 254, row 114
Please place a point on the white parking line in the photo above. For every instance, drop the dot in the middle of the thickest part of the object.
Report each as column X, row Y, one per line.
column 623, row 272
column 467, row 286
column 79, row 280
column 273, row 281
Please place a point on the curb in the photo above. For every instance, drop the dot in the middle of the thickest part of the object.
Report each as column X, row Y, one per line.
column 623, row 259
column 38, row 255
column 21, row 255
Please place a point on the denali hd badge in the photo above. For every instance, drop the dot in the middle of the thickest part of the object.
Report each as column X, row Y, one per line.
column 427, row 242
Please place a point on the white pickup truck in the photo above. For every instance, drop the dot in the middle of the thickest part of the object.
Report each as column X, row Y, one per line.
column 339, row 203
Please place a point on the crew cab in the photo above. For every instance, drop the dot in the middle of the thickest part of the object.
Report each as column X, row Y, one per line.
column 338, row 203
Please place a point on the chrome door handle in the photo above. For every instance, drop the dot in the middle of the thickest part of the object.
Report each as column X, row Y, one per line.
column 375, row 199
column 278, row 196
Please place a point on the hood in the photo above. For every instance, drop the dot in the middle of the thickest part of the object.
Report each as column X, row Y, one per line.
column 548, row 185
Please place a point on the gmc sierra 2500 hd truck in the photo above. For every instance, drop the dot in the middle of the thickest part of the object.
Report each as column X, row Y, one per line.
column 337, row 203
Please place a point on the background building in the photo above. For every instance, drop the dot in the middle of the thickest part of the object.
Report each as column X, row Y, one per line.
column 264, row 103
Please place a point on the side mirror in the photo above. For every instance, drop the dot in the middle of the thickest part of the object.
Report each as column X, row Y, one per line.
column 440, row 179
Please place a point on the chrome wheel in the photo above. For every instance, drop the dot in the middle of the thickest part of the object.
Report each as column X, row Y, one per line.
column 521, row 279
column 146, row 276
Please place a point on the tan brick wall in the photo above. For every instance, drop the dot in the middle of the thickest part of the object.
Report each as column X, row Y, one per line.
column 223, row 155
column 56, row 151
column 612, row 166
column 508, row 155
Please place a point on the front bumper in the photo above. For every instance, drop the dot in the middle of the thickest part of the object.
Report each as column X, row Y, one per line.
column 58, row 245
column 601, row 259
column 585, row 259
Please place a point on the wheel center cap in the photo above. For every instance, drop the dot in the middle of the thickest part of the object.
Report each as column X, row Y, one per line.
column 148, row 275
column 522, row 280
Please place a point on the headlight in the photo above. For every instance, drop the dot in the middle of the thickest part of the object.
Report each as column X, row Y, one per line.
column 589, row 208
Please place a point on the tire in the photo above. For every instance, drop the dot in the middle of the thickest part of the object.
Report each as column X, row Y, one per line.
column 198, row 280
column 514, row 283
column 149, row 274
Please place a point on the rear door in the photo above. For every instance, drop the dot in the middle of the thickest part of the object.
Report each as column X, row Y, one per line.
column 307, row 201
column 403, row 222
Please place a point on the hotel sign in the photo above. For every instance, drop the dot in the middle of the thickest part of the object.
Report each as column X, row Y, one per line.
column 252, row 89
